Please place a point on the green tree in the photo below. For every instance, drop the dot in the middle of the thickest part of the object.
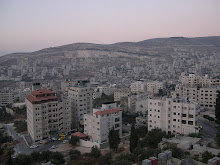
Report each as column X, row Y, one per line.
column 114, row 139
column 133, row 138
column 23, row 160
column 206, row 156
column 153, row 138
column 74, row 154
column 125, row 158
column 74, row 140
column 35, row 156
column 176, row 152
column 217, row 106
column 95, row 152
column 57, row 158
column 105, row 159
column 9, row 159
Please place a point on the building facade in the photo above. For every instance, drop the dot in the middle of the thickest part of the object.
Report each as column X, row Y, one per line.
column 154, row 87
column 46, row 114
column 98, row 124
column 80, row 98
column 173, row 115
column 205, row 97
column 121, row 92
column 6, row 97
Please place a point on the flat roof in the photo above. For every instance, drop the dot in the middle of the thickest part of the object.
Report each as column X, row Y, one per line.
column 108, row 111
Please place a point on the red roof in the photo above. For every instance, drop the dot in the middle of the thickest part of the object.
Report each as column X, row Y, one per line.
column 42, row 91
column 108, row 111
column 39, row 100
column 79, row 134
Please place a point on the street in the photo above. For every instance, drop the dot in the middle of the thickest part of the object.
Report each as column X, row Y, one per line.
column 208, row 127
column 21, row 147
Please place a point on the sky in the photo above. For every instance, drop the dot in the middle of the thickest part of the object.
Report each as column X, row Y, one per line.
column 30, row 25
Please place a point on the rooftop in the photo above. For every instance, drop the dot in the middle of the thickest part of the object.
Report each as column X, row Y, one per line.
column 108, row 111
column 42, row 96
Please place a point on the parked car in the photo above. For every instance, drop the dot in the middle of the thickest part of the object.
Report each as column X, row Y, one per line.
column 65, row 141
column 53, row 139
column 34, row 146
column 54, row 147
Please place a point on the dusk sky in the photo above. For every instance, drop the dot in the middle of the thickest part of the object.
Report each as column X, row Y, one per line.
column 30, row 25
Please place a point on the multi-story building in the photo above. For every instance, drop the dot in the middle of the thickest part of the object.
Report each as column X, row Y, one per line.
column 98, row 124
column 6, row 97
column 194, row 81
column 80, row 98
column 205, row 97
column 154, row 87
column 121, row 92
column 173, row 115
column 138, row 86
column 23, row 94
column 46, row 114
column 98, row 91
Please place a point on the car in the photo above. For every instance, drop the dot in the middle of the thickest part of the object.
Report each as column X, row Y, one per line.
column 53, row 139
column 54, row 147
column 65, row 141
column 34, row 146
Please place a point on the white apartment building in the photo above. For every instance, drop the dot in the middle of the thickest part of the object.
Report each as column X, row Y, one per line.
column 23, row 94
column 98, row 124
column 65, row 85
column 173, row 115
column 45, row 114
column 141, row 106
column 6, row 97
column 121, row 92
column 205, row 97
column 80, row 98
column 138, row 86
column 154, row 87
column 203, row 81
column 98, row 91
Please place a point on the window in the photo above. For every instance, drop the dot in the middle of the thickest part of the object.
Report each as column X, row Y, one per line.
column 183, row 115
column 117, row 125
column 190, row 116
column 183, row 121
column 117, row 119
column 190, row 122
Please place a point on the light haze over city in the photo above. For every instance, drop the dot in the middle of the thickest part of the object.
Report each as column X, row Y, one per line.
column 29, row 25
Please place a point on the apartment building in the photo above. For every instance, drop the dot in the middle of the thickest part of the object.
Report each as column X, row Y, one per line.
column 98, row 124
column 23, row 94
column 80, row 98
column 202, row 81
column 46, row 114
column 121, row 92
column 138, row 86
column 98, row 91
column 154, row 87
column 205, row 97
column 173, row 115
column 6, row 97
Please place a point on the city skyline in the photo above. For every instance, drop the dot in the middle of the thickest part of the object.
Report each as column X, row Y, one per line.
column 30, row 25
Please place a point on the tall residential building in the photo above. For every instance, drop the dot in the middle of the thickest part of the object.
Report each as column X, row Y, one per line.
column 203, row 81
column 101, row 121
column 138, row 86
column 45, row 114
column 121, row 92
column 173, row 115
column 205, row 97
column 80, row 98
column 154, row 87
column 6, row 97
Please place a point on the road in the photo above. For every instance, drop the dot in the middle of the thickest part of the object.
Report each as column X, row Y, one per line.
column 208, row 127
column 21, row 147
